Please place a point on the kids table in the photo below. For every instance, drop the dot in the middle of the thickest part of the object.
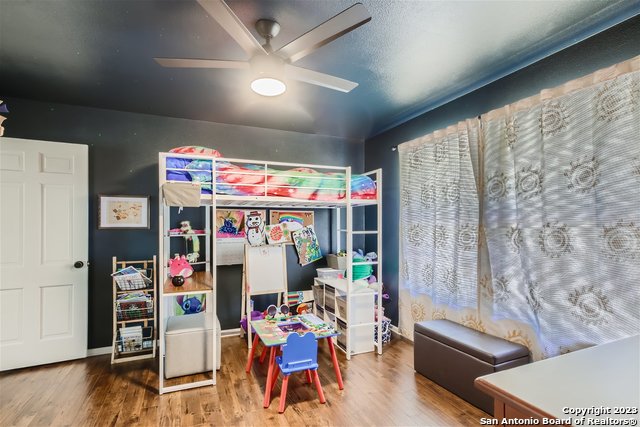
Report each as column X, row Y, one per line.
column 273, row 333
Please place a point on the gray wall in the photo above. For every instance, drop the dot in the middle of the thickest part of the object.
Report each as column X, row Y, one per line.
column 617, row 44
column 123, row 159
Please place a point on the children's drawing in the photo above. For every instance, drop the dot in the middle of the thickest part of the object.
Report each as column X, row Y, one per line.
column 294, row 221
column 191, row 305
column 307, row 245
column 230, row 224
column 254, row 224
column 277, row 233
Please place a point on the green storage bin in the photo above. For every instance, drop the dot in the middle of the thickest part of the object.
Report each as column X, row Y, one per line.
column 361, row 271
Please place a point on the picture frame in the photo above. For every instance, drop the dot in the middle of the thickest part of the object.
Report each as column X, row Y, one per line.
column 294, row 221
column 123, row 212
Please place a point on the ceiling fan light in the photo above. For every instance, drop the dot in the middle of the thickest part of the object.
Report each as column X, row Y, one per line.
column 267, row 86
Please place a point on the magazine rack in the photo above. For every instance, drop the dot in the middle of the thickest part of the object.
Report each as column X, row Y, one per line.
column 134, row 313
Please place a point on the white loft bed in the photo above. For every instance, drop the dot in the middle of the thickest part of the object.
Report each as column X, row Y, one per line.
column 266, row 171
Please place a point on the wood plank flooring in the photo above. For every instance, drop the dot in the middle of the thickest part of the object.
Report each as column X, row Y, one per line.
column 382, row 391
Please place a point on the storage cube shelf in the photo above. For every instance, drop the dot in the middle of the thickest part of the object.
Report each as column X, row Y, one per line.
column 357, row 326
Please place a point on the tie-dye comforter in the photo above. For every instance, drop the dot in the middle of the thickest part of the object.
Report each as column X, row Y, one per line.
column 249, row 180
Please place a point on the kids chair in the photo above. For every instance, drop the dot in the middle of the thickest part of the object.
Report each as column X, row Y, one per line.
column 300, row 353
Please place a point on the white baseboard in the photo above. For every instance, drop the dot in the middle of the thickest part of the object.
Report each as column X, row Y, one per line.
column 98, row 351
column 230, row 333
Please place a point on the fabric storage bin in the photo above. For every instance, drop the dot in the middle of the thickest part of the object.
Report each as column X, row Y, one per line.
column 342, row 338
column 386, row 331
column 337, row 262
column 319, row 311
column 188, row 344
column 330, row 318
column 318, row 294
column 329, row 299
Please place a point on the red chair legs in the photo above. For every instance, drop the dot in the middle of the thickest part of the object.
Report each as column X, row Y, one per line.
column 319, row 386
column 308, row 372
column 285, row 383
column 283, row 394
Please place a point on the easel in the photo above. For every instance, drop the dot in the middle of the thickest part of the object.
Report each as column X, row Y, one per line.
column 264, row 272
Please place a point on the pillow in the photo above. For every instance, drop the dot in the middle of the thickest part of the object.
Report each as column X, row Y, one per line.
column 196, row 150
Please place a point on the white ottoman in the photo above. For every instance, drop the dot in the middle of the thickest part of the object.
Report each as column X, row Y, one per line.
column 188, row 344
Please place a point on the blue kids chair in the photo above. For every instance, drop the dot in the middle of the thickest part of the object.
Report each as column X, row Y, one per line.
column 300, row 353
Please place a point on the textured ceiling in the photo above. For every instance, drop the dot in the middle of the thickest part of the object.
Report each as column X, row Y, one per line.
column 411, row 56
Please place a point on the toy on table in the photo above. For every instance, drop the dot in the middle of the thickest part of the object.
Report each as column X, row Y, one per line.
column 179, row 266
column 271, row 313
column 177, row 280
column 303, row 308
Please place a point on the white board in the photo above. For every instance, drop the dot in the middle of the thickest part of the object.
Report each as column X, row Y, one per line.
column 265, row 269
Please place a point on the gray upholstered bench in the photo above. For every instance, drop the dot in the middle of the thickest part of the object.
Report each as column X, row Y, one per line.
column 453, row 356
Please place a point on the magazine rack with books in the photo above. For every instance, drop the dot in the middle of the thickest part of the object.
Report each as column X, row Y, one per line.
column 134, row 314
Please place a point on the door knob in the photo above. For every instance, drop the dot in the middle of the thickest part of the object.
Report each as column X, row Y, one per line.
column 78, row 264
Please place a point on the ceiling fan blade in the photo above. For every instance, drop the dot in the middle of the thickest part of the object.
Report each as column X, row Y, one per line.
column 347, row 20
column 200, row 63
column 228, row 20
column 319, row 79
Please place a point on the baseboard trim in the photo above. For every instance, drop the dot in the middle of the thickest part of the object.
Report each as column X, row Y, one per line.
column 98, row 351
column 396, row 331
column 230, row 333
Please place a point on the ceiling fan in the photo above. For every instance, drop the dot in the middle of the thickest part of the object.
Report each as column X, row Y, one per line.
column 269, row 67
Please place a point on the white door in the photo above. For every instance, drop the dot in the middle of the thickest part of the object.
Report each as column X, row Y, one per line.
column 43, row 233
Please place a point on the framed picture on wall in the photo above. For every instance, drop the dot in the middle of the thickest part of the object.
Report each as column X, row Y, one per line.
column 123, row 212
column 291, row 221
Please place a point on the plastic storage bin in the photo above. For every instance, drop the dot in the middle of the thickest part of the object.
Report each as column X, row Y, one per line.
column 329, row 273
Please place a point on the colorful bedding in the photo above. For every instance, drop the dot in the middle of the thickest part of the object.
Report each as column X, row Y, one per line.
column 248, row 180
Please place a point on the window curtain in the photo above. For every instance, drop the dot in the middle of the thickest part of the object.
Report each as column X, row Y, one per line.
column 562, row 210
column 439, row 215
column 556, row 185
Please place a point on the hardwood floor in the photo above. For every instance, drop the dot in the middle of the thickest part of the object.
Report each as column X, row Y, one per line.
column 90, row 392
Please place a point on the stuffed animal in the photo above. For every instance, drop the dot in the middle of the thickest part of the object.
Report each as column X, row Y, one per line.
column 190, row 235
column 190, row 305
column 255, row 228
column 179, row 266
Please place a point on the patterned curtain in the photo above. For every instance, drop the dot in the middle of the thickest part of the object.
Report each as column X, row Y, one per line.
column 562, row 212
column 439, row 216
column 557, row 265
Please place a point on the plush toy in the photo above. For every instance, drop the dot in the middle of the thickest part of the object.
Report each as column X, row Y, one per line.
column 255, row 228
column 179, row 266
column 190, row 235
column 190, row 305
column 303, row 308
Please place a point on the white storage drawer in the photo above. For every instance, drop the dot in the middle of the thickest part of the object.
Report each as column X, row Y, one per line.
column 362, row 308
column 361, row 337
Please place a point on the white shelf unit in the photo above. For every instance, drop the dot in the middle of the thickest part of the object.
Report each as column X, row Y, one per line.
column 263, row 172
column 202, row 282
